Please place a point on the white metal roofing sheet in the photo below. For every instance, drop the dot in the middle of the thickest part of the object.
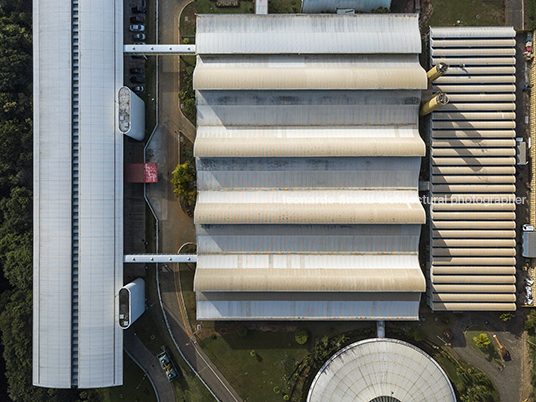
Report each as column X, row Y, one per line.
column 309, row 280
column 472, row 32
column 52, row 195
column 299, row 239
column 307, row 173
column 307, row 108
column 307, row 305
column 366, row 261
column 101, row 196
column 374, row 369
column 311, row 34
column 299, row 72
column 100, row 202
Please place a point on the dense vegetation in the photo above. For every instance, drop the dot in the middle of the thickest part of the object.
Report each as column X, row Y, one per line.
column 16, row 205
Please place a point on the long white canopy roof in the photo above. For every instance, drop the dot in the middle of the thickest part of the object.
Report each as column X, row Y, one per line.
column 78, row 193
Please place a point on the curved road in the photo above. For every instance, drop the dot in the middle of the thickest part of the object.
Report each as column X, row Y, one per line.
column 175, row 226
column 144, row 358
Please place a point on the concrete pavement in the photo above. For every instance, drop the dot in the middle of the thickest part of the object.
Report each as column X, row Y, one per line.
column 163, row 388
column 514, row 14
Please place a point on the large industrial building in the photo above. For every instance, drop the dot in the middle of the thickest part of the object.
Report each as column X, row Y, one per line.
column 78, row 193
column 308, row 158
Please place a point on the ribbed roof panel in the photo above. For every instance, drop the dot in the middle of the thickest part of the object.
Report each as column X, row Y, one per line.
column 473, row 164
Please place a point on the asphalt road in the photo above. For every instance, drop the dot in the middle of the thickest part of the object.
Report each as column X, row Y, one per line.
column 149, row 362
column 176, row 228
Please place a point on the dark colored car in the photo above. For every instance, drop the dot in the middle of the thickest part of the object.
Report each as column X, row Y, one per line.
column 138, row 88
column 139, row 36
column 139, row 10
column 138, row 56
column 137, row 80
column 137, row 70
column 137, row 19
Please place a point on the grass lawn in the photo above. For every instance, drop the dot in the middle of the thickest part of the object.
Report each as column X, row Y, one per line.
column 468, row 12
column 188, row 15
column 491, row 353
column 276, row 357
column 136, row 387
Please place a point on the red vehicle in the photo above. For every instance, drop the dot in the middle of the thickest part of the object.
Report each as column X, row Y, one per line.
column 137, row 19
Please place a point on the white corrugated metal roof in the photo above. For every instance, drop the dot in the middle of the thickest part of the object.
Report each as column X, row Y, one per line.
column 284, row 174
column 307, row 305
column 52, row 195
column 79, row 209
column 311, row 34
column 276, row 72
column 473, row 148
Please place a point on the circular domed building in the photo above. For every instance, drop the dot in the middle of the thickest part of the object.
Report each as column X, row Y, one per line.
column 381, row 370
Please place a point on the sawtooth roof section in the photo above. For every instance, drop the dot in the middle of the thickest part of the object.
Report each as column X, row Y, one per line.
column 472, row 262
column 308, row 34
column 308, row 141
column 394, row 71
column 308, row 178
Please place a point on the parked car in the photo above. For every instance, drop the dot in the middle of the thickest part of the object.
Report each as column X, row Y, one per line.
column 137, row 18
column 167, row 364
column 139, row 36
column 136, row 70
column 139, row 43
column 137, row 80
column 139, row 56
column 137, row 28
column 139, row 88
column 139, row 10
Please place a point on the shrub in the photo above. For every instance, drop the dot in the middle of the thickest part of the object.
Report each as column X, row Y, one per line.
column 253, row 353
column 186, row 41
column 277, row 390
column 286, row 397
column 301, row 336
column 242, row 331
column 506, row 317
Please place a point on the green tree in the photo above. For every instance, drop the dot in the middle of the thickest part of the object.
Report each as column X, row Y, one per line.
column 183, row 180
column 482, row 341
